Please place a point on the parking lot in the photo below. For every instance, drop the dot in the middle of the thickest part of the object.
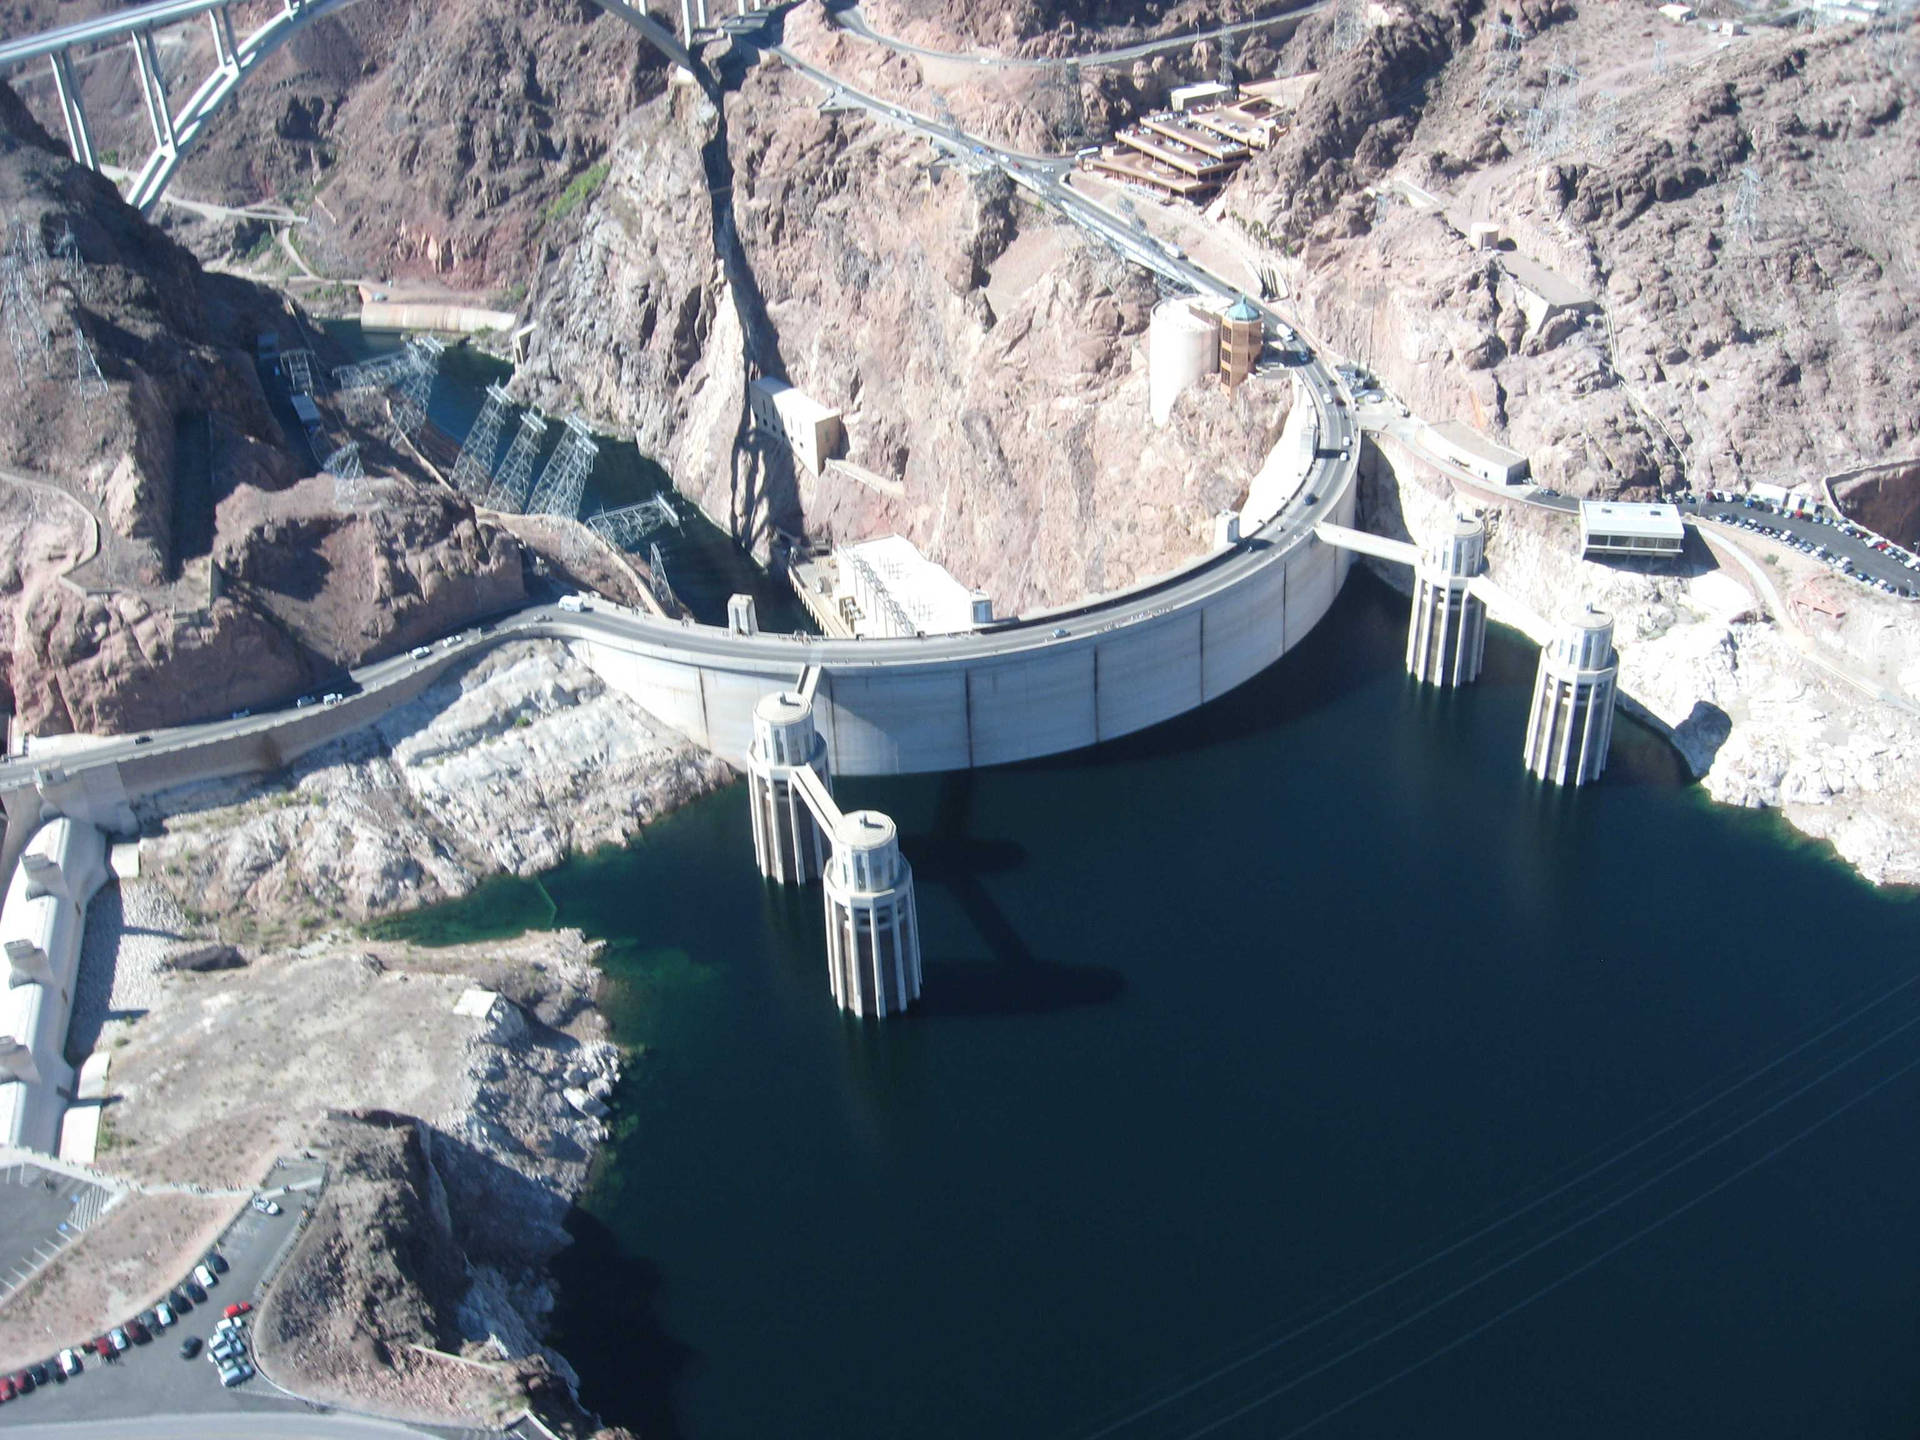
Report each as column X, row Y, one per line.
column 1848, row 550
column 154, row 1379
column 41, row 1213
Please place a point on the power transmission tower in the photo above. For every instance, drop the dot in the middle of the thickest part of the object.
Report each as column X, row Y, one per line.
column 25, row 240
column 473, row 471
column 72, row 265
column 564, row 482
column 371, row 374
column 26, row 324
column 630, row 524
column 1744, row 214
column 350, row 489
column 416, row 385
column 515, row 479
column 87, row 378
column 1349, row 27
column 662, row 587
column 298, row 365
column 344, row 463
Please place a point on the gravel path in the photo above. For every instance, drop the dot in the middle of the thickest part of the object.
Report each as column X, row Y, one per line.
column 130, row 925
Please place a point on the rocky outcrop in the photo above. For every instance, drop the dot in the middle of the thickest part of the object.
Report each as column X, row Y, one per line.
column 510, row 766
column 1728, row 204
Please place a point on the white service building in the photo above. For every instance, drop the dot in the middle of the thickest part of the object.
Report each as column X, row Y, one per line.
column 1609, row 527
column 811, row 430
column 1477, row 454
column 897, row 591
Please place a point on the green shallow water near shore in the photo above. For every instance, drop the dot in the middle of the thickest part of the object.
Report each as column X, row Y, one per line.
column 1226, row 1024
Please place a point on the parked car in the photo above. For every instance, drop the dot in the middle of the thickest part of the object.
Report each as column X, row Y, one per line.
column 205, row 1276
column 217, row 1261
column 138, row 1333
column 189, row 1347
column 25, row 1383
column 69, row 1363
column 237, row 1310
column 421, row 652
column 163, row 1312
column 181, row 1301
column 118, row 1335
column 7, row 1389
column 332, row 697
column 266, row 1206
column 198, row 1293
column 39, row 1374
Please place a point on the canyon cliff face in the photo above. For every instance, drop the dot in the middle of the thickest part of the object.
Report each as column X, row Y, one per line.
column 989, row 361
column 108, row 618
column 1731, row 204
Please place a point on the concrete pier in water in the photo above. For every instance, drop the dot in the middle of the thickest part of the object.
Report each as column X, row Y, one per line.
column 873, row 925
column 873, row 928
column 1571, row 723
column 1447, row 631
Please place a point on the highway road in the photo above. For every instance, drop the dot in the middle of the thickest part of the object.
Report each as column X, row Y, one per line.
column 854, row 23
column 257, row 1425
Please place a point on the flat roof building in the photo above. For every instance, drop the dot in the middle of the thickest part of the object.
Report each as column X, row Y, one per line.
column 811, row 430
column 1611, row 527
column 1475, row 453
column 896, row 591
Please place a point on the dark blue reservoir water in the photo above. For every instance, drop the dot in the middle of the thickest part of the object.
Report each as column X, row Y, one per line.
column 1301, row 1052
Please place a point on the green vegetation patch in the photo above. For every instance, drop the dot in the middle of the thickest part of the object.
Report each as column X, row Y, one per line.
column 583, row 188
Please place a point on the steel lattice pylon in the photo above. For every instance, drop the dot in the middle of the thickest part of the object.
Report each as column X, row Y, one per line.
column 563, row 483
column 473, row 471
column 73, row 268
column 630, row 524
column 416, row 385
column 26, row 324
column 662, row 587
column 371, row 374
column 515, row 479
column 298, row 365
column 87, row 378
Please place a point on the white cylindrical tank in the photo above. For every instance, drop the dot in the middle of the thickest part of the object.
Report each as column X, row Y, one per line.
column 1183, row 347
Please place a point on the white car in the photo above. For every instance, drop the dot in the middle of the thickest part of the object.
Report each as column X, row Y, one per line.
column 421, row 652
column 266, row 1206
column 205, row 1276
column 163, row 1312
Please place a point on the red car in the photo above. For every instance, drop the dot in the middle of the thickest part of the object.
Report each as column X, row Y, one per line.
column 7, row 1390
column 235, row 1311
column 103, row 1347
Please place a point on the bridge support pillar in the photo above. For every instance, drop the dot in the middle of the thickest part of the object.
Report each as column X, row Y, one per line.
column 787, row 841
column 153, row 88
column 873, row 924
column 1571, row 723
column 79, row 133
column 1447, row 631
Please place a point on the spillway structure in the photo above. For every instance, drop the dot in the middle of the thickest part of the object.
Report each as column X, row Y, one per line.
column 1447, row 630
column 1571, row 723
column 800, row 834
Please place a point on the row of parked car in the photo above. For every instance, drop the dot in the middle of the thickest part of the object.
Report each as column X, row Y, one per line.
column 1757, row 522
column 140, row 1330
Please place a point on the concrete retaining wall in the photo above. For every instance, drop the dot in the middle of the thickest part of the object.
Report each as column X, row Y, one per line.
column 41, row 925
